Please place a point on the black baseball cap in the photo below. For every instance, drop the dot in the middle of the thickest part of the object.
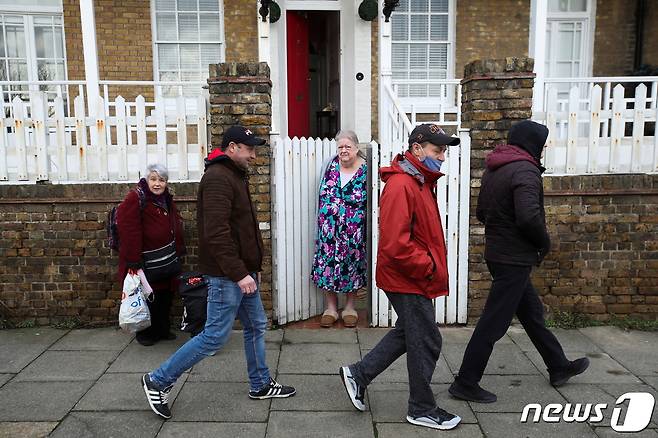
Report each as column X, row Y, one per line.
column 431, row 133
column 240, row 134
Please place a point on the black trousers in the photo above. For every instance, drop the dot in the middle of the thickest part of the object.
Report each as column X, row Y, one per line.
column 416, row 334
column 511, row 293
column 160, row 320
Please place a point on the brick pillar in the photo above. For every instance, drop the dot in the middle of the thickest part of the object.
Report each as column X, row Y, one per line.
column 495, row 93
column 241, row 94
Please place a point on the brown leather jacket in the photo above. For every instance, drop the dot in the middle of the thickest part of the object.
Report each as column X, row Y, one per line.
column 230, row 243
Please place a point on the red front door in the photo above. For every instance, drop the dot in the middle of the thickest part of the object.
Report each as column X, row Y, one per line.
column 298, row 79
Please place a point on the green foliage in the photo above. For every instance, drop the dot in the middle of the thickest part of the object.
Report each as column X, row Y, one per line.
column 575, row 320
column 68, row 323
column 27, row 323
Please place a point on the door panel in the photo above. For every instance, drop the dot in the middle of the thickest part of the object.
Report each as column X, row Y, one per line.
column 298, row 74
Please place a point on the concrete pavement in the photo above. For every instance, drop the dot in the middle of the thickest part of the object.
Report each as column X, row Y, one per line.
column 86, row 383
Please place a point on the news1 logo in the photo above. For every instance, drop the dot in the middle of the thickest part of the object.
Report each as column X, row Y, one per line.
column 638, row 412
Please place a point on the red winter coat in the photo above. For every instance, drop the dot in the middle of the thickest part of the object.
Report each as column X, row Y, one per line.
column 148, row 229
column 411, row 257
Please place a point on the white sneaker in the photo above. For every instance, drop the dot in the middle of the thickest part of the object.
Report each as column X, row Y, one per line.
column 355, row 392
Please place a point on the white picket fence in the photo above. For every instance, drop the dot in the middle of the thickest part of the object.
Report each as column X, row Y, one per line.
column 598, row 130
column 39, row 142
column 295, row 177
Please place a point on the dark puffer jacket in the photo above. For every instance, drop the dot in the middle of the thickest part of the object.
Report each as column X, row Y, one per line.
column 511, row 201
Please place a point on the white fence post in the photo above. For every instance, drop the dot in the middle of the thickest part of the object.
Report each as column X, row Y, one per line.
column 81, row 136
column 181, row 127
column 202, row 132
column 39, row 116
column 4, row 171
column 122, row 143
column 21, row 145
column 60, row 135
column 638, row 127
column 617, row 130
column 594, row 129
column 161, row 130
column 101, row 138
column 464, row 224
column 572, row 130
column 140, row 114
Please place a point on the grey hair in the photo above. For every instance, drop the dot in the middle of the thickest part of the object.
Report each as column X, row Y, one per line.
column 159, row 169
column 350, row 135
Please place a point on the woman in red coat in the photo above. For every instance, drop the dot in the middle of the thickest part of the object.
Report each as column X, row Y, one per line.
column 148, row 220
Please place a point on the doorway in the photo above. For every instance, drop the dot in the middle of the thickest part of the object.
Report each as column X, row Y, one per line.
column 313, row 71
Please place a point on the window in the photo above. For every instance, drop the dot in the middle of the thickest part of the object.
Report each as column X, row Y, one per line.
column 31, row 49
column 422, row 45
column 188, row 36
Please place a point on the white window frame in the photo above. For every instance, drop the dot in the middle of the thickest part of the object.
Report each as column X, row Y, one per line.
column 588, row 17
column 425, row 104
column 28, row 13
column 156, row 62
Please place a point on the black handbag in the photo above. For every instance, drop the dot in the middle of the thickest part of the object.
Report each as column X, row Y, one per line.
column 193, row 289
column 162, row 263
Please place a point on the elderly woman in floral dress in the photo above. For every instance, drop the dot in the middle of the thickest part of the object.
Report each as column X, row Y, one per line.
column 339, row 265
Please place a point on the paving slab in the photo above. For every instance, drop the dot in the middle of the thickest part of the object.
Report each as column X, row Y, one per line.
column 461, row 335
column 616, row 390
column 211, row 401
column 397, row 430
column 651, row 381
column 176, row 429
column 273, row 339
column 35, row 401
column 108, row 338
column 506, row 359
column 322, row 336
column 602, row 368
column 588, row 393
column 635, row 350
column 4, row 378
column 389, row 402
column 606, row 432
column 397, row 371
column 514, row 392
column 320, row 425
column 19, row 347
column 314, row 393
column 316, row 358
column 108, row 425
column 26, row 429
column 571, row 340
column 121, row 392
column 67, row 366
column 136, row 358
column 510, row 426
column 229, row 366
column 369, row 337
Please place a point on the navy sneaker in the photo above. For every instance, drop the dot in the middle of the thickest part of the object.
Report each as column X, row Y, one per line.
column 273, row 390
column 355, row 392
column 158, row 399
column 439, row 420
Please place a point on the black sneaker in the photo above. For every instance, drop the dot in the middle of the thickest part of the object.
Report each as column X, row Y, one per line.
column 440, row 420
column 158, row 399
column 473, row 393
column 560, row 376
column 273, row 390
column 355, row 392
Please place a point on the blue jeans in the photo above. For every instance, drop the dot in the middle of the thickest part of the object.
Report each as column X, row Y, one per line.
column 225, row 302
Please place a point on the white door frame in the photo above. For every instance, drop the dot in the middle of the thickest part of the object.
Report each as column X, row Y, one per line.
column 355, row 36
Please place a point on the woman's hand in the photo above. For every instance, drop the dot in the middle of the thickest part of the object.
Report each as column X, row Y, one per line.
column 247, row 285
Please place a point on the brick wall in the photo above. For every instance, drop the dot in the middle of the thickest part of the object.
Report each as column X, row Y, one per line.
column 241, row 30
column 488, row 29
column 240, row 94
column 54, row 263
column 604, row 255
column 650, row 44
column 614, row 41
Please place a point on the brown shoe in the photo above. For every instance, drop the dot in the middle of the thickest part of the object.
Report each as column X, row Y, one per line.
column 328, row 318
column 350, row 318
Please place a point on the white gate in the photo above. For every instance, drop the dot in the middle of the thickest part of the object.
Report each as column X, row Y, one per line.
column 296, row 173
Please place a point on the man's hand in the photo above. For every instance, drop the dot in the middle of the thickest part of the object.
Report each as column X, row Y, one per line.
column 247, row 285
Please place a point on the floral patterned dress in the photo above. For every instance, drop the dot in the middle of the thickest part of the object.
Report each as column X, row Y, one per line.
column 339, row 264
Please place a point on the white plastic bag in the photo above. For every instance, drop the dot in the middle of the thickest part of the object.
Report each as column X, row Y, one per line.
column 134, row 313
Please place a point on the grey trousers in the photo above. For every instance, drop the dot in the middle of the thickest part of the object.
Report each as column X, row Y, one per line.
column 416, row 334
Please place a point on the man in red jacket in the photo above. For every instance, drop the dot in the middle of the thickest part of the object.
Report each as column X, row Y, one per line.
column 412, row 270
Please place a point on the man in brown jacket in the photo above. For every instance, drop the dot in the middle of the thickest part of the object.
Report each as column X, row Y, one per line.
column 230, row 256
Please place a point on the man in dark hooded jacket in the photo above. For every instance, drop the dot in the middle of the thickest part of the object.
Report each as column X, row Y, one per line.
column 511, row 207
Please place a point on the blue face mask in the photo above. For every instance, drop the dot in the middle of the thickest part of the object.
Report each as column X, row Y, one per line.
column 432, row 164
